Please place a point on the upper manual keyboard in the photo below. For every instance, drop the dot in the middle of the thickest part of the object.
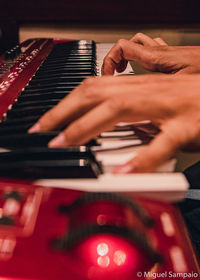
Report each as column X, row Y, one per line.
column 60, row 68
column 34, row 77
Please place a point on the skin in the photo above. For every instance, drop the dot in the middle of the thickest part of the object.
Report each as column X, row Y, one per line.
column 153, row 54
column 99, row 103
column 172, row 101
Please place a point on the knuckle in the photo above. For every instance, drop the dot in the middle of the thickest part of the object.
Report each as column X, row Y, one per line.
column 88, row 93
column 91, row 93
column 108, row 57
column 121, row 42
column 116, row 104
column 139, row 35
column 88, row 81
column 174, row 139
column 89, row 88
column 154, row 56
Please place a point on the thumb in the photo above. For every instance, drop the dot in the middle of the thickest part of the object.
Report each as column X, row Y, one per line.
column 161, row 149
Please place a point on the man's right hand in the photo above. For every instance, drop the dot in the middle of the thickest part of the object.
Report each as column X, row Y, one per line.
column 99, row 103
column 153, row 54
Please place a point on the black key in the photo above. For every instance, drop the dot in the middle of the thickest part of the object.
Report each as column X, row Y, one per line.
column 45, row 153
column 72, row 59
column 66, row 68
column 27, row 140
column 40, row 169
column 69, row 64
column 46, row 88
column 75, row 67
column 56, row 83
column 87, row 71
column 10, row 130
column 28, row 111
column 72, row 51
column 41, row 96
column 15, row 122
column 64, row 56
column 77, row 55
column 55, row 80
column 62, row 74
column 34, row 103
column 68, row 46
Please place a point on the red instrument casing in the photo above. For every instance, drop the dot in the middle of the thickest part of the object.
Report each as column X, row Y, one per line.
column 32, row 244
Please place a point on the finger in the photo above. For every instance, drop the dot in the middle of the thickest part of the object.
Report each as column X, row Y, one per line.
column 160, row 41
column 93, row 92
column 121, row 66
column 115, row 56
column 82, row 99
column 104, row 116
column 65, row 111
column 124, row 50
column 101, row 118
column 144, row 40
column 112, row 59
column 68, row 109
column 161, row 149
column 187, row 70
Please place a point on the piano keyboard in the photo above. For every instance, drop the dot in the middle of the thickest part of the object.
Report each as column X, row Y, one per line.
column 35, row 76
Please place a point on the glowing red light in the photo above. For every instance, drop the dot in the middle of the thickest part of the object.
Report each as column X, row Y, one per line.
column 119, row 257
column 103, row 261
column 102, row 249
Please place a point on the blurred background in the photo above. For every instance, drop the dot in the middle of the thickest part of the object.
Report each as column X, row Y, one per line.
column 177, row 21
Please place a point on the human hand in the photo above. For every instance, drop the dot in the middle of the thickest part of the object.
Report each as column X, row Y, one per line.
column 153, row 54
column 100, row 103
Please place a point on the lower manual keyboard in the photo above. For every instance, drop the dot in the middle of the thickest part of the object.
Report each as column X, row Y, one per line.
column 41, row 74
column 34, row 163
column 61, row 66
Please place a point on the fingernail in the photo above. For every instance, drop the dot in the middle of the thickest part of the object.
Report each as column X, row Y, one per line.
column 125, row 169
column 34, row 128
column 58, row 141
